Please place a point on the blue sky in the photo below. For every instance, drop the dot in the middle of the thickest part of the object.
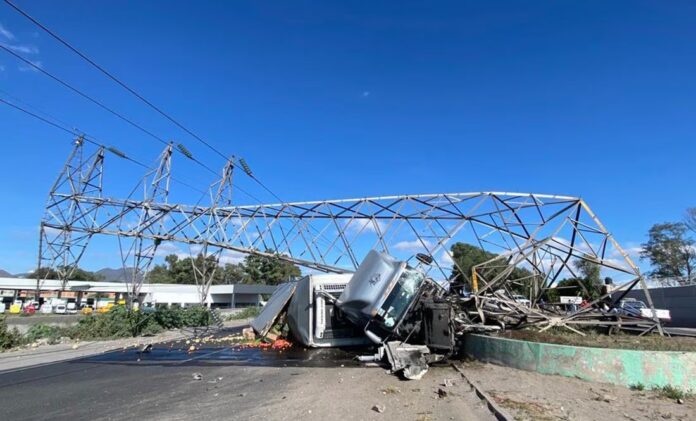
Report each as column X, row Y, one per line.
column 346, row 99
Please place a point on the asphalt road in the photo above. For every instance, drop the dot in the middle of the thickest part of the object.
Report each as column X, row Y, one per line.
column 236, row 384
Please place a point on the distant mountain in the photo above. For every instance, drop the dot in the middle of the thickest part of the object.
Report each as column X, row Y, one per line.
column 112, row 275
column 5, row 274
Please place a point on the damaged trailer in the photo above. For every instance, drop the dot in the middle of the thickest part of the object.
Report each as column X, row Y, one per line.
column 385, row 303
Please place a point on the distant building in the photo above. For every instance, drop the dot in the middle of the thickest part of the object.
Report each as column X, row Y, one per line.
column 219, row 296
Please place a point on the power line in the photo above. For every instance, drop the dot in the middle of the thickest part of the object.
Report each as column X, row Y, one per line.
column 93, row 140
column 133, row 92
column 102, row 105
column 84, row 95
column 113, row 78
column 90, row 139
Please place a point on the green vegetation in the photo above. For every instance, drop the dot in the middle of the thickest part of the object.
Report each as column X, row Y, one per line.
column 51, row 333
column 599, row 339
column 671, row 251
column 253, row 270
column 466, row 256
column 9, row 338
column 247, row 313
column 672, row 392
column 117, row 323
column 637, row 386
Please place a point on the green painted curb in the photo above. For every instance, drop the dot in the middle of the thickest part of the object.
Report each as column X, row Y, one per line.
column 617, row 366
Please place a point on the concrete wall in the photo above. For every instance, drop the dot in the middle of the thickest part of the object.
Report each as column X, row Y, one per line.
column 680, row 301
column 617, row 366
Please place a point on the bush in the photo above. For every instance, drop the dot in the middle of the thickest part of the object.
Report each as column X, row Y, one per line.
column 52, row 333
column 119, row 322
column 247, row 313
column 8, row 338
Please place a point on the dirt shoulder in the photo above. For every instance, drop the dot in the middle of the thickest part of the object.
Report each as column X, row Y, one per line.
column 351, row 394
column 534, row 396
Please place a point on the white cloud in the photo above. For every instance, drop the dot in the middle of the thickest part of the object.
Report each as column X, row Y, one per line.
column 231, row 257
column 24, row 68
column 364, row 225
column 2, row 68
column 445, row 259
column 415, row 246
column 365, row 94
column 24, row 49
column 6, row 33
column 166, row 249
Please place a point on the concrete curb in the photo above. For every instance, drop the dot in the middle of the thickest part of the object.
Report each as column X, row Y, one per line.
column 499, row 413
column 623, row 367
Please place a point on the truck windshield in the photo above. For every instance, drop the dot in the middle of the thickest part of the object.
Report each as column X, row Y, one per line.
column 401, row 296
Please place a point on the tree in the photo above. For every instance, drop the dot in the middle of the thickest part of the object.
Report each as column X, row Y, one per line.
column 466, row 256
column 254, row 270
column 690, row 219
column 671, row 253
column 232, row 274
column 268, row 270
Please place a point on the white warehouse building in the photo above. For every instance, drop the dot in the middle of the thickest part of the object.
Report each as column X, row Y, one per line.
column 219, row 296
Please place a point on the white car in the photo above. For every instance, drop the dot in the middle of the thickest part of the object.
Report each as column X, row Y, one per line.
column 71, row 308
column 60, row 309
column 522, row 300
column 47, row 308
column 633, row 307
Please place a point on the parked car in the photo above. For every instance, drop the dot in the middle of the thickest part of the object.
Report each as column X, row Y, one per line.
column 106, row 308
column 637, row 308
column 2, row 308
column 60, row 309
column 71, row 308
column 522, row 300
column 47, row 308
column 29, row 309
column 15, row 308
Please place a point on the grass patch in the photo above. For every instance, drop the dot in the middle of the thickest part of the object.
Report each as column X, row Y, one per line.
column 531, row 410
column 672, row 392
column 637, row 386
column 247, row 313
column 596, row 339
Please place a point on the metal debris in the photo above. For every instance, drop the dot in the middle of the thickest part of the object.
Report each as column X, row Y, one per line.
column 415, row 321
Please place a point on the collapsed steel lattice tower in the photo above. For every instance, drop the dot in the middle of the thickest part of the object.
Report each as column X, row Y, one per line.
column 544, row 234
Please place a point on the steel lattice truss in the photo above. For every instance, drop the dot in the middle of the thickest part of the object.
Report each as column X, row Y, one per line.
column 544, row 234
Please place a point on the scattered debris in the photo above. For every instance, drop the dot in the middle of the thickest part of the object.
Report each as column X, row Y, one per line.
column 441, row 393
column 379, row 408
column 197, row 376
column 248, row 334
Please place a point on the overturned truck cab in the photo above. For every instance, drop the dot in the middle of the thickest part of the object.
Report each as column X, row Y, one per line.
column 385, row 303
